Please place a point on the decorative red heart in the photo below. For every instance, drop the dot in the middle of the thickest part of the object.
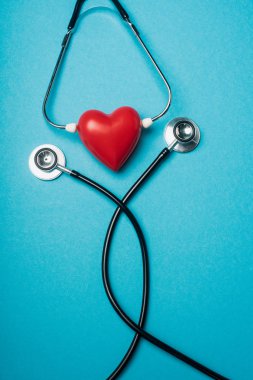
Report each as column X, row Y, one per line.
column 111, row 138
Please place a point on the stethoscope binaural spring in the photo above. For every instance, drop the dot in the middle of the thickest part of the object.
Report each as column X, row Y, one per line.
column 48, row 159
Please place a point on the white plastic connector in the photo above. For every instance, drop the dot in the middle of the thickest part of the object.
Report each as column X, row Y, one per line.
column 71, row 127
column 146, row 123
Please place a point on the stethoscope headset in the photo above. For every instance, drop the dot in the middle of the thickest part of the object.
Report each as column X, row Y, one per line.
column 48, row 162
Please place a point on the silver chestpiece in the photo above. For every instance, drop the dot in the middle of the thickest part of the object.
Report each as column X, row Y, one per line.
column 182, row 135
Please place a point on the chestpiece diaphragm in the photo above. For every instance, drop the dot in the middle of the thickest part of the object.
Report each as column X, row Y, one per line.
column 43, row 162
column 182, row 134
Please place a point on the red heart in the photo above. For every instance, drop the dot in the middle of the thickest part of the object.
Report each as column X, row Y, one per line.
column 111, row 138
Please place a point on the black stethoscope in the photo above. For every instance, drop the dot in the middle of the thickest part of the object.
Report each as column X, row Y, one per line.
column 47, row 162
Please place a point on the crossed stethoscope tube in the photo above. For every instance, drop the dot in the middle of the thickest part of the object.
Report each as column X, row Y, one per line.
column 47, row 162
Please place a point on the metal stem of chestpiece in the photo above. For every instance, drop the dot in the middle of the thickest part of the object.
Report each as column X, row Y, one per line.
column 64, row 47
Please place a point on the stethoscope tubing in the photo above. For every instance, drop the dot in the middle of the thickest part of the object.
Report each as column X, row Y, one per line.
column 144, row 334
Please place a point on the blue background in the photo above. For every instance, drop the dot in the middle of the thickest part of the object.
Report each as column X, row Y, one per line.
column 196, row 211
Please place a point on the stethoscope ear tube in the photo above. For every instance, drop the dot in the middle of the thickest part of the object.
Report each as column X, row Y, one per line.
column 75, row 14
column 71, row 127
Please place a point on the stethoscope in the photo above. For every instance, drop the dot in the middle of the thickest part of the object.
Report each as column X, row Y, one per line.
column 47, row 162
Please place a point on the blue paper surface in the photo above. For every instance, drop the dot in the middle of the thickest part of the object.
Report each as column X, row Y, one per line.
column 196, row 211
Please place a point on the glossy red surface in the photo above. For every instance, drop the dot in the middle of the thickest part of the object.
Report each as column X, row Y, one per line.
column 110, row 138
